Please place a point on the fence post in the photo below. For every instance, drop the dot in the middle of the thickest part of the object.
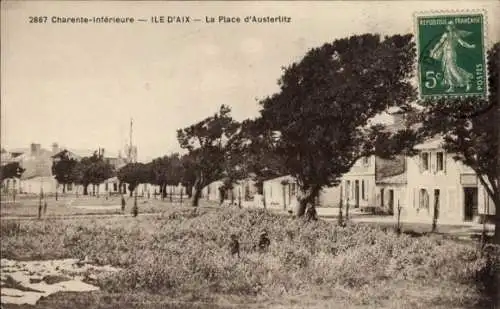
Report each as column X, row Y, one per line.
column 398, row 227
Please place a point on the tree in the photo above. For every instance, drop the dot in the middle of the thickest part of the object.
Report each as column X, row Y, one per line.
column 11, row 170
column 469, row 127
column 258, row 155
column 92, row 170
column 321, row 113
column 63, row 169
column 207, row 142
column 174, row 171
column 134, row 174
column 159, row 168
column 188, row 173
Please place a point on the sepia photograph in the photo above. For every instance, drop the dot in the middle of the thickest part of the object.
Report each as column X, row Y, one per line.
column 250, row 154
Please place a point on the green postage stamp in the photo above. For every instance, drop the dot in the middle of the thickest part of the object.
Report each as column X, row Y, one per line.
column 451, row 54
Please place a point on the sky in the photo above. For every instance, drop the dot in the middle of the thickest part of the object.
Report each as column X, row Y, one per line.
column 79, row 84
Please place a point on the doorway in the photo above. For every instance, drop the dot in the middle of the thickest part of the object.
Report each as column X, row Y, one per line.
column 470, row 204
column 391, row 201
column 436, row 203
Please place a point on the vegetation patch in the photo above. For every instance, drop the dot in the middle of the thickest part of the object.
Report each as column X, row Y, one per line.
column 185, row 254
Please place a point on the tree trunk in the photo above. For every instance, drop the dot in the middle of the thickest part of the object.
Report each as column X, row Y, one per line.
column 171, row 189
column 163, row 191
column 496, row 236
column 85, row 189
column 189, row 191
column 307, row 197
column 64, row 188
column 197, row 195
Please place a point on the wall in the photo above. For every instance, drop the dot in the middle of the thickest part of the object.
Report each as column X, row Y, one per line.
column 33, row 185
column 450, row 181
column 364, row 172
column 329, row 197
column 277, row 195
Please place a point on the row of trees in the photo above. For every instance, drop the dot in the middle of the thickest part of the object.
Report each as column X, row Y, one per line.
column 170, row 170
column 94, row 170
column 318, row 124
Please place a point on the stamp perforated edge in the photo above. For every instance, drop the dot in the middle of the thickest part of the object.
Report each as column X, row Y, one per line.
column 486, row 48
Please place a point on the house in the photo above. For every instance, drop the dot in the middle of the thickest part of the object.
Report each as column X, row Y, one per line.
column 281, row 192
column 37, row 176
column 108, row 186
column 437, row 182
column 211, row 191
column 358, row 185
column 243, row 189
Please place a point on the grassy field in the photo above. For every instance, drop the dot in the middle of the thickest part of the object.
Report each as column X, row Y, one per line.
column 86, row 205
column 181, row 259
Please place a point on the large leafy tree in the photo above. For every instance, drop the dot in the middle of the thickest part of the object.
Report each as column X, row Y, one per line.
column 255, row 148
column 207, row 143
column 63, row 169
column 322, row 111
column 470, row 129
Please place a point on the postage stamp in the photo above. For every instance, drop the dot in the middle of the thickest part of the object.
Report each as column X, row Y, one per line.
column 451, row 54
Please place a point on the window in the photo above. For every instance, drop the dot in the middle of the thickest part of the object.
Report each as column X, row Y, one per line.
column 293, row 188
column 69, row 187
column 115, row 187
column 366, row 161
column 424, row 199
column 348, row 189
column 106, row 187
column 439, row 161
column 424, row 161
column 363, row 189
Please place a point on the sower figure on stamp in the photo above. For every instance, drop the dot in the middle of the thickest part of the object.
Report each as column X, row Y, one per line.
column 446, row 52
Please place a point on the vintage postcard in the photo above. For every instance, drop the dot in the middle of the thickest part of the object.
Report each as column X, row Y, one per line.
column 250, row 154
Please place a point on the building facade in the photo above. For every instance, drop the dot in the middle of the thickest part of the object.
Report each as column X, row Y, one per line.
column 438, row 185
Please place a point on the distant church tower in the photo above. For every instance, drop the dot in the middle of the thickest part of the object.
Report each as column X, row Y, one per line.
column 130, row 149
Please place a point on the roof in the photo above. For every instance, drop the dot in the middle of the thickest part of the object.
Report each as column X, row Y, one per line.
column 385, row 168
column 111, row 180
column 435, row 142
column 38, row 178
column 282, row 178
column 396, row 179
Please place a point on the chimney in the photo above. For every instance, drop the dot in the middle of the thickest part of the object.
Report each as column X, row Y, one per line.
column 35, row 149
column 55, row 148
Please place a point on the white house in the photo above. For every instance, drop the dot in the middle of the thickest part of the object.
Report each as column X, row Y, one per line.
column 281, row 192
column 244, row 189
column 437, row 182
column 358, row 185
